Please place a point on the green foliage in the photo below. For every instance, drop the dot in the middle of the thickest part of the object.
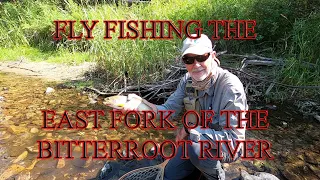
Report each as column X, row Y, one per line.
column 290, row 28
column 305, row 38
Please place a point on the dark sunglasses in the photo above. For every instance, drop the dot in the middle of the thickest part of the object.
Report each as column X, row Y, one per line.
column 199, row 58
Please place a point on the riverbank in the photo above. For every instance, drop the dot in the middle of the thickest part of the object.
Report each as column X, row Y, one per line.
column 48, row 71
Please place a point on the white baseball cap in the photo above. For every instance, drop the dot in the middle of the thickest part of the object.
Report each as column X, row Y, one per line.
column 197, row 46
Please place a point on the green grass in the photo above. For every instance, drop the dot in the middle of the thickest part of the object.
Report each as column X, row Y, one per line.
column 289, row 28
column 34, row 54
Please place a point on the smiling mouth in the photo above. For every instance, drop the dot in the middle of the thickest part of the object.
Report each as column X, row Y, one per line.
column 197, row 71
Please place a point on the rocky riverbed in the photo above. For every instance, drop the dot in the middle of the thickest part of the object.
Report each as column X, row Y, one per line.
column 294, row 138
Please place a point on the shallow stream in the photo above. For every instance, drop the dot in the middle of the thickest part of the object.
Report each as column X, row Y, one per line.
column 295, row 140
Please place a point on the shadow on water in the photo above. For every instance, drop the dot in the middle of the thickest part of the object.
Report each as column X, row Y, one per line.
column 22, row 119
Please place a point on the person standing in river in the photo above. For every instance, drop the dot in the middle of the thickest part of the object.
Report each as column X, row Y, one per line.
column 206, row 86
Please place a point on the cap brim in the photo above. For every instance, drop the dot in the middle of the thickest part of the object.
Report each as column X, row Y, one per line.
column 198, row 50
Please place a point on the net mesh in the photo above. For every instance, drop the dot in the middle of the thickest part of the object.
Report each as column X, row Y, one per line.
column 147, row 173
column 143, row 173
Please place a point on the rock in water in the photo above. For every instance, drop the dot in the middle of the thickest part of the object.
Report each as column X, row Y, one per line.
column 31, row 166
column 17, row 129
column 244, row 175
column 266, row 176
column 34, row 130
column 49, row 90
column 12, row 170
column 21, row 157
column 61, row 163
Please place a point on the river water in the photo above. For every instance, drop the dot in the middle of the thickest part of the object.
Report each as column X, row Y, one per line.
column 295, row 139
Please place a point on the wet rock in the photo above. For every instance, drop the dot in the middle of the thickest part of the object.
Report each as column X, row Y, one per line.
column 77, row 149
column 12, row 170
column 68, row 176
column 61, row 163
column 265, row 176
column 26, row 175
column 257, row 163
column 312, row 158
column 90, row 125
column 51, row 102
column 4, row 135
column 21, row 157
column 88, row 162
column 81, row 133
column 300, row 157
column 287, row 173
column 42, row 134
column 34, row 130
column 30, row 115
column 314, row 169
column 7, row 118
column 293, row 159
column 83, row 105
column 244, row 175
column 49, row 90
column 32, row 149
column 16, row 129
column 232, row 169
column 305, row 169
column 33, row 163
column 284, row 124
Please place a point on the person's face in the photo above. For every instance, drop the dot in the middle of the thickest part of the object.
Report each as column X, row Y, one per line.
column 199, row 70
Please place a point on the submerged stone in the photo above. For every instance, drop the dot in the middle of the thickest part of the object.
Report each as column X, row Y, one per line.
column 49, row 90
column 12, row 170
column 34, row 130
column 61, row 163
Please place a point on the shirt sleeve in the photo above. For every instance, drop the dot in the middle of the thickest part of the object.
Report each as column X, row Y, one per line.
column 233, row 98
column 175, row 100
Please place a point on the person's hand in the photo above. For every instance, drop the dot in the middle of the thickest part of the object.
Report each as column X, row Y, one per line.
column 181, row 134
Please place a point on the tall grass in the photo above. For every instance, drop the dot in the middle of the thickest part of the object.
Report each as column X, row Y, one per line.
column 289, row 27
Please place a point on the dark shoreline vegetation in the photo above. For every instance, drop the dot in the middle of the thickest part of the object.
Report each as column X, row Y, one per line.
column 287, row 31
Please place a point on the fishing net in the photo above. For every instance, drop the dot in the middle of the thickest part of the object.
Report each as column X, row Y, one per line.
column 149, row 173
column 133, row 169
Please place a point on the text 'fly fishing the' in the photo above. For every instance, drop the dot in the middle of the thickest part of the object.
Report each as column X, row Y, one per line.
column 155, row 29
